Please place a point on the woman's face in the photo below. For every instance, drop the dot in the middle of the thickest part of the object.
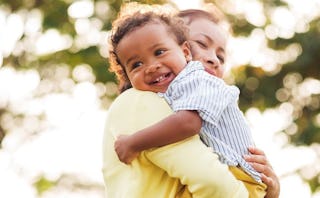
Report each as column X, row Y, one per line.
column 208, row 45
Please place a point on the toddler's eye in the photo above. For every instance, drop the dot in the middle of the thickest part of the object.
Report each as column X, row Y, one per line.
column 136, row 64
column 158, row 52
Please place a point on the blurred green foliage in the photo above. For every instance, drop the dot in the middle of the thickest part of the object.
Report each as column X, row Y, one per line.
column 43, row 184
column 262, row 96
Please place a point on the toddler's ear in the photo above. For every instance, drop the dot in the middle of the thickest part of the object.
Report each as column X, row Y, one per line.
column 187, row 51
column 189, row 58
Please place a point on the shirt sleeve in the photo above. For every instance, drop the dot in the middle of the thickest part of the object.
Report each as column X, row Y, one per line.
column 199, row 168
column 195, row 165
column 204, row 93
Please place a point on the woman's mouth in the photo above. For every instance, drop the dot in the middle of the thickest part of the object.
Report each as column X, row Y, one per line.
column 210, row 71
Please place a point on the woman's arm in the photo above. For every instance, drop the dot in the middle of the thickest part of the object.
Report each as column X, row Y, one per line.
column 259, row 161
column 174, row 128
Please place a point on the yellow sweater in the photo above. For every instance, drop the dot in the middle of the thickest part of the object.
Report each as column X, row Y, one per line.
column 184, row 169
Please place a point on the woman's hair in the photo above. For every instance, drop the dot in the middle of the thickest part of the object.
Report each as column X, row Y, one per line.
column 209, row 12
column 193, row 14
column 126, row 23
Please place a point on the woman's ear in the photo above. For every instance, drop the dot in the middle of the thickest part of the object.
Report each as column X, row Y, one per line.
column 187, row 51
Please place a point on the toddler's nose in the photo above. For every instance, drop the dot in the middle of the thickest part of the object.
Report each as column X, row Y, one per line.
column 152, row 68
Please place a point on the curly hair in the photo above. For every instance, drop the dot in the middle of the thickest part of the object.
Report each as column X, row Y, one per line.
column 127, row 23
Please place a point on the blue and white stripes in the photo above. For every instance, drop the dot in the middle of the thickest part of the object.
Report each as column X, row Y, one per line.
column 224, row 127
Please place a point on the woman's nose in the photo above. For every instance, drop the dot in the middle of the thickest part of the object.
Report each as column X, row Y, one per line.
column 213, row 62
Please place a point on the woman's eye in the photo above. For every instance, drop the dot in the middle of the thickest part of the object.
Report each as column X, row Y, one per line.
column 221, row 58
column 158, row 52
column 202, row 44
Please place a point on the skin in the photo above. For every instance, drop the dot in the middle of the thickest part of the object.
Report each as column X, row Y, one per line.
column 208, row 44
column 258, row 161
column 152, row 67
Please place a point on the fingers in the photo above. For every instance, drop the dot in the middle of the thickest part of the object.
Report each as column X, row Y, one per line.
column 120, row 136
column 127, row 158
column 273, row 189
column 256, row 151
column 126, row 161
column 123, row 157
column 121, row 150
column 267, row 180
column 124, row 152
column 268, row 177
column 257, row 156
column 263, row 168
column 259, row 162
column 257, row 159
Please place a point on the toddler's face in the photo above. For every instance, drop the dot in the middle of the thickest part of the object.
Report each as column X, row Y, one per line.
column 208, row 45
column 152, row 57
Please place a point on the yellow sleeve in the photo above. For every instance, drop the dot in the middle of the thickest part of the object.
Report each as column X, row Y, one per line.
column 190, row 161
column 199, row 168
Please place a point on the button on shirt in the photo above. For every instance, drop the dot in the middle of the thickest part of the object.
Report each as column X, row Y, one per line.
column 224, row 127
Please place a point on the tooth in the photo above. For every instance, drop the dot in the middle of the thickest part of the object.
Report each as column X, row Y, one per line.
column 159, row 78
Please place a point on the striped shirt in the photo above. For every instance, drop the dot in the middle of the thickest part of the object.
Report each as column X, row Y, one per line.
column 224, row 127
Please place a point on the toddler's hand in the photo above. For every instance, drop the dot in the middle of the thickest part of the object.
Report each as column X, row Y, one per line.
column 124, row 150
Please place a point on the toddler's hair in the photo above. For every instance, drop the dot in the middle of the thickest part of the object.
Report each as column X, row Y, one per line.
column 132, row 18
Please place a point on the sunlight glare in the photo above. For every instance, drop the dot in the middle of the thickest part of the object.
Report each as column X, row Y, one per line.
column 292, row 129
column 82, row 26
column 311, row 171
column 1, row 60
column 290, row 154
column 290, row 184
column 82, row 73
column 291, row 80
column 182, row 4
column 317, row 120
column 10, row 32
column 271, row 31
column 102, row 9
column 282, row 94
column 284, row 21
column 310, row 87
column 52, row 41
column 24, row 81
column 290, row 54
column 254, row 13
column 81, row 9
column 67, row 116
column 68, row 139
column 10, row 181
column 306, row 10
column 85, row 94
column 33, row 22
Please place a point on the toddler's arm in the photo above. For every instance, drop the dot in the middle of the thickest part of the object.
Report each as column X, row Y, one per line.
column 174, row 128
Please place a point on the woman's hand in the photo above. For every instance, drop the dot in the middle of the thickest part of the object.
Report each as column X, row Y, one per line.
column 124, row 149
column 260, row 163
